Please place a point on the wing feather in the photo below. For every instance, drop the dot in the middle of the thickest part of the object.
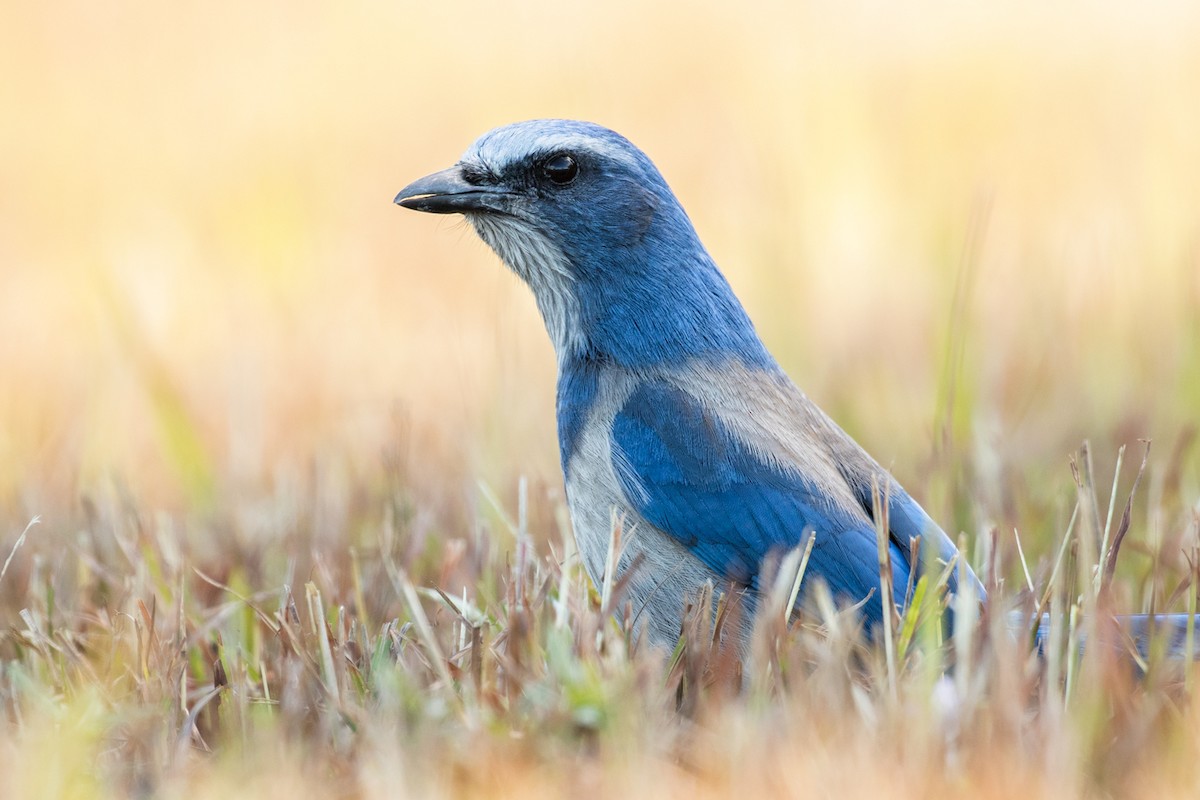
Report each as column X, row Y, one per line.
column 690, row 477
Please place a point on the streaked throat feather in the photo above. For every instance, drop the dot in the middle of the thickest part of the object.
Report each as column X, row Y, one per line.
column 544, row 267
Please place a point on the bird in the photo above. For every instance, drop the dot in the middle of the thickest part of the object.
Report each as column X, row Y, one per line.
column 674, row 420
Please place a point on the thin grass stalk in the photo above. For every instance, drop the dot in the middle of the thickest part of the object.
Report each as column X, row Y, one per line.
column 316, row 614
column 966, row 618
column 1112, row 505
column 1189, row 674
column 1024, row 562
column 795, row 594
column 883, row 540
column 17, row 545
column 1073, row 654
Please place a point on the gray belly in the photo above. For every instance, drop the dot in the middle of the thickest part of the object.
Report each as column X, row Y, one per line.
column 667, row 575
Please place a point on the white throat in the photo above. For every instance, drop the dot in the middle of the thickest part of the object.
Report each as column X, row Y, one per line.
column 543, row 266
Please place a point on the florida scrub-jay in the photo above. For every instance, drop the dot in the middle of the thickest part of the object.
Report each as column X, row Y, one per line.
column 672, row 415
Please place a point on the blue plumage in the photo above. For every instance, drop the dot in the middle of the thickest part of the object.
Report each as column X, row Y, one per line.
column 577, row 388
column 690, row 478
column 673, row 418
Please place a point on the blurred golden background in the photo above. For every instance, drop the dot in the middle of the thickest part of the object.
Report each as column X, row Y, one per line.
column 205, row 289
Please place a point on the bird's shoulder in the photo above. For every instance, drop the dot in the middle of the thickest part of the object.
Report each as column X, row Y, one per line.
column 773, row 420
column 717, row 460
column 726, row 427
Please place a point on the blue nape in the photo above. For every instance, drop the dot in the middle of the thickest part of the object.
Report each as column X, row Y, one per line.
column 689, row 477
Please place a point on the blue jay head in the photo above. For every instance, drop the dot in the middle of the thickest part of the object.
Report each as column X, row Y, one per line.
column 586, row 219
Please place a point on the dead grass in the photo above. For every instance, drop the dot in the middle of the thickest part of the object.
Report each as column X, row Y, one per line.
column 387, row 665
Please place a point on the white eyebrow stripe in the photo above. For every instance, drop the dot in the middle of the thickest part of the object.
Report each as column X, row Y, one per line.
column 497, row 151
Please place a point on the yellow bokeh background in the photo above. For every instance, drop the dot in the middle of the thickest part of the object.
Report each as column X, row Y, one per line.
column 204, row 283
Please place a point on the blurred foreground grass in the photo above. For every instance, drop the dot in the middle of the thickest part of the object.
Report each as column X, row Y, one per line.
column 391, row 664
column 230, row 366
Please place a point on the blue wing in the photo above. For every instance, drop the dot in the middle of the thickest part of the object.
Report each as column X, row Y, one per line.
column 908, row 521
column 689, row 477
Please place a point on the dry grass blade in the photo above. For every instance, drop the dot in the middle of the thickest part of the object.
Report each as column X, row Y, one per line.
column 883, row 539
column 1110, row 564
column 17, row 545
column 316, row 614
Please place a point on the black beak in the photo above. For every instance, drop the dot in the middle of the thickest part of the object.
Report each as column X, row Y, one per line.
column 447, row 192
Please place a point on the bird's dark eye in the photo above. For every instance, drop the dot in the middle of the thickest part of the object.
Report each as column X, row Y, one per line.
column 560, row 169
